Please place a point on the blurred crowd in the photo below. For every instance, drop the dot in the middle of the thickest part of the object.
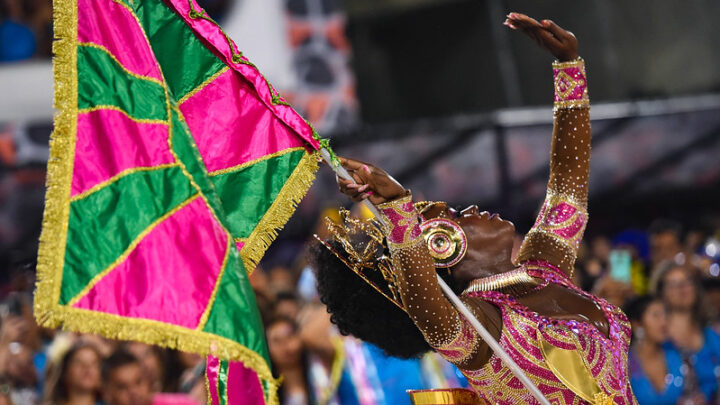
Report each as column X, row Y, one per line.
column 670, row 290
column 25, row 29
column 665, row 277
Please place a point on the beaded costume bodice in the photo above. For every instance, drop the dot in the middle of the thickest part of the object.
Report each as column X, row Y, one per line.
column 571, row 361
column 596, row 372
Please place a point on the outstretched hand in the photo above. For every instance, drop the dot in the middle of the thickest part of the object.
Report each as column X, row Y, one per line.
column 561, row 43
column 372, row 183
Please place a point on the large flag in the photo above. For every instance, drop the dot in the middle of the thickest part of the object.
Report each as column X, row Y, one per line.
column 172, row 165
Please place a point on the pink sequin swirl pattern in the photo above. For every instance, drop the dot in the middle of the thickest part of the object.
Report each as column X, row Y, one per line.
column 402, row 222
column 570, row 84
column 462, row 347
column 563, row 219
column 524, row 330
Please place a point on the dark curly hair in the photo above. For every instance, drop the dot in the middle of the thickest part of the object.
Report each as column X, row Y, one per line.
column 359, row 310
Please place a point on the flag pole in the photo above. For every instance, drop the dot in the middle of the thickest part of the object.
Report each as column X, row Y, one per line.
column 484, row 334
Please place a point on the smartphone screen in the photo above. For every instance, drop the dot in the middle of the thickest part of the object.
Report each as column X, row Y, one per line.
column 620, row 265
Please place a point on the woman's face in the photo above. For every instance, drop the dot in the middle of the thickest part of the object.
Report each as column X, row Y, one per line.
column 151, row 363
column 654, row 323
column 679, row 290
column 83, row 370
column 284, row 344
column 489, row 240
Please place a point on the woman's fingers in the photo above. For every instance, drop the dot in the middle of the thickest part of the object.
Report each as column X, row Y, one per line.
column 522, row 19
column 558, row 32
column 536, row 31
column 354, row 165
column 356, row 191
column 549, row 40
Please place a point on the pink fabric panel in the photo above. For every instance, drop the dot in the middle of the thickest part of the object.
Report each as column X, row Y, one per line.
column 229, row 103
column 243, row 387
column 170, row 268
column 111, row 25
column 166, row 398
column 212, row 373
column 571, row 230
column 560, row 213
column 579, row 91
column 109, row 142
column 239, row 245
column 214, row 37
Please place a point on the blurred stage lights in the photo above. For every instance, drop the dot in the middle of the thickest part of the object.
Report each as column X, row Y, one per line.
column 714, row 269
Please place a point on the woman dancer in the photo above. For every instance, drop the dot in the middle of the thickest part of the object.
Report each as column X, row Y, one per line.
column 571, row 344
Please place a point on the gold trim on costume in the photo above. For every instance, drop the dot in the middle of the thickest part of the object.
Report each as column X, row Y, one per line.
column 410, row 220
column 571, row 104
column 578, row 62
column 503, row 281
column 571, row 84
column 570, row 368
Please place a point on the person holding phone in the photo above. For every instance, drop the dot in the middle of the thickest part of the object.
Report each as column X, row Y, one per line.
column 380, row 283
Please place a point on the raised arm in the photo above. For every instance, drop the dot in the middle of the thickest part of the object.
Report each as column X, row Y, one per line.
column 559, row 227
column 414, row 269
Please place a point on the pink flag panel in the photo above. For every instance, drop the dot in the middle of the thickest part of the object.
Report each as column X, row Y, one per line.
column 109, row 142
column 211, row 33
column 107, row 23
column 229, row 106
column 175, row 266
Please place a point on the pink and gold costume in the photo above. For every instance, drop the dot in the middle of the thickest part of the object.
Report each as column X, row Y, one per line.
column 570, row 360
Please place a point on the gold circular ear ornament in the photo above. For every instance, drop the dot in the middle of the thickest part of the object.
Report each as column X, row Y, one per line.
column 446, row 241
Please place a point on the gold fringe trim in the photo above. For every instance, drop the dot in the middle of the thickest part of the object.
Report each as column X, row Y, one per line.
column 158, row 333
column 280, row 211
column 51, row 252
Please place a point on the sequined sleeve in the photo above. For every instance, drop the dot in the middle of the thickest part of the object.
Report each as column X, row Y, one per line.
column 559, row 227
column 415, row 279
